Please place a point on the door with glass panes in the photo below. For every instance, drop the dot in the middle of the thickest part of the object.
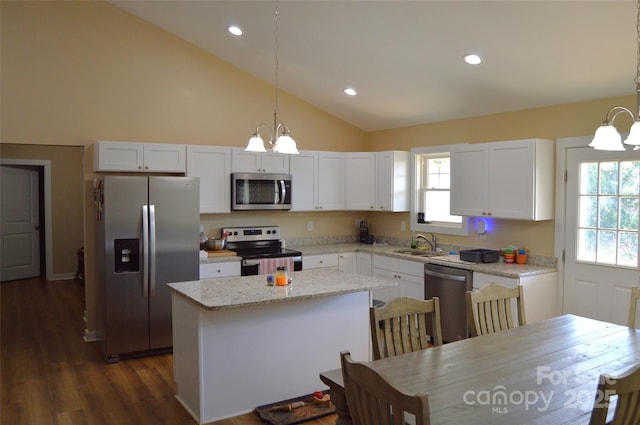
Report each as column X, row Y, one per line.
column 601, row 242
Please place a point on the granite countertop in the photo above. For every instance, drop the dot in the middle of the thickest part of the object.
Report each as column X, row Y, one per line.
column 236, row 292
column 498, row 268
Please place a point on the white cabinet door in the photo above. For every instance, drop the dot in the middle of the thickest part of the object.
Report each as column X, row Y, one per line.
column 217, row 270
column 364, row 264
column 347, row 262
column 330, row 181
column 258, row 162
column 521, row 175
column 165, row 158
column 539, row 292
column 304, row 172
column 118, row 156
column 139, row 157
column 360, row 180
column 411, row 275
column 511, row 180
column 392, row 181
column 318, row 181
column 212, row 164
column 319, row 261
column 469, row 191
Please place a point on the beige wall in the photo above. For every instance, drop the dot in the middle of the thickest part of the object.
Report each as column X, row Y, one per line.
column 572, row 120
column 76, row 72
column 66, row 197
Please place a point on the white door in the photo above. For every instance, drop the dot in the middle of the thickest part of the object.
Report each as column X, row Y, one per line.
column 601, row 232
column 19, row 233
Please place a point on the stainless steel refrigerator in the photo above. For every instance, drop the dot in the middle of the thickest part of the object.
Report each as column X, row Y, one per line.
column 147, row 236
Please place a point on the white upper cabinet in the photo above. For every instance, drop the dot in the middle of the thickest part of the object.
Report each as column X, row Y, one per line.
column 139, row 157
column 511, row 180
column 360, row 177
column 212, row 164
column 392, row 181
column 318, row 181
column 258, row 162
column 377, row 181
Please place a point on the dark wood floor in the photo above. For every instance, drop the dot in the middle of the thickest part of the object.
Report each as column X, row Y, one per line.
column 49, row 375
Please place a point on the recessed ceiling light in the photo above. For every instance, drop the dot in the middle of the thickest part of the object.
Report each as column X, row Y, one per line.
column 350, row 91
column 235, row 30
column 472, row 59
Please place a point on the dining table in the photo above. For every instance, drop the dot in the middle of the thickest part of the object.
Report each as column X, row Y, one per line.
column 540, row 373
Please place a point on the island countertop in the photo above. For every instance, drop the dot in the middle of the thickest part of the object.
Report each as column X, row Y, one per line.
column 236, row 292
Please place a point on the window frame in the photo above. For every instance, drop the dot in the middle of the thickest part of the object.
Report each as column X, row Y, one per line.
column 457, row 229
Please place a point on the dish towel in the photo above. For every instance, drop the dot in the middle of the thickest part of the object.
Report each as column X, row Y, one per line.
column 269, row 265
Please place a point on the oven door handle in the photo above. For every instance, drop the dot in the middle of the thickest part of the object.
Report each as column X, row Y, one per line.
column 251, row 263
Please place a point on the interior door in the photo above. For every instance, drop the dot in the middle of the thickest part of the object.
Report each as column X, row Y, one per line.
column 601, row 240
column 20, row 222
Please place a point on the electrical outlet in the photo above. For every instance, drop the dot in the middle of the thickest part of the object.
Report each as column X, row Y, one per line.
column 310, row 226
column 403, row 226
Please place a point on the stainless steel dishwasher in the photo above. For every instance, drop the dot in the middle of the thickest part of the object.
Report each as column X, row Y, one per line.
column 450, row 285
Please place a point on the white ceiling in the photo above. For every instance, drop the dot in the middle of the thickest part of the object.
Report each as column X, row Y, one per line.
column 405, row 57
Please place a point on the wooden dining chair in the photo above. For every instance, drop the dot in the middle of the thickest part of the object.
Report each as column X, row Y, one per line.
column 490, row 309
column 404, row 325
column 635, row 296
column 373, row 400
column 626, row 388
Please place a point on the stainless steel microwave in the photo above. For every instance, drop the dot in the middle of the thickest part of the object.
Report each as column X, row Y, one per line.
column 260, row 191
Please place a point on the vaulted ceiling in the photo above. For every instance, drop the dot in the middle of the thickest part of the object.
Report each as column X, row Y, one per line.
column 405, row 58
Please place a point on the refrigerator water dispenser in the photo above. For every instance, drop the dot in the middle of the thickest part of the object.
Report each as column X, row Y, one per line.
column 127, row 255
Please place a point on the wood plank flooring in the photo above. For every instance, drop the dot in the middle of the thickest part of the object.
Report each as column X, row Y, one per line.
column 49, row 375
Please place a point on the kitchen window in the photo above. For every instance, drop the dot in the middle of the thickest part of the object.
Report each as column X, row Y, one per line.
column 431, row 178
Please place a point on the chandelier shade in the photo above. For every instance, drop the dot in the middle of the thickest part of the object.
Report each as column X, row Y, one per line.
column 607, row 137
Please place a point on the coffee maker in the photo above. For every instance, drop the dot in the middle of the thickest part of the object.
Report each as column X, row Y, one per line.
column 365, row 237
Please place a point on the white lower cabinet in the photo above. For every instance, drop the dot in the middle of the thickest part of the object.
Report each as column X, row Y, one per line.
column 539, row 292
column 409, row 276
column 347, row 262
column 223, row 269
column 364, row 264
column 319, row 261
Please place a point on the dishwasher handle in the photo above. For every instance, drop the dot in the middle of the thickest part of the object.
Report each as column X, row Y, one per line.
column 445, row 275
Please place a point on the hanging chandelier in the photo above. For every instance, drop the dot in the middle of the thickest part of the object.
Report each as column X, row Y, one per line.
column 279, row 137
column 607, row 137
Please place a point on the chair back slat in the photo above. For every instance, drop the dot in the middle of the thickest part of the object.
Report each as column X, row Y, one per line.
column 404, row 325
column 373, row 400
column 626, row 388
column 490, row 309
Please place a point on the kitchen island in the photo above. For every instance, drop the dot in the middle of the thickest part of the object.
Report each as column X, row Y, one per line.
column 239, row 344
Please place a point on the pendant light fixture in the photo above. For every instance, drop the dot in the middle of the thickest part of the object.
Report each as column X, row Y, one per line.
column 279, row 138
column 607, row 137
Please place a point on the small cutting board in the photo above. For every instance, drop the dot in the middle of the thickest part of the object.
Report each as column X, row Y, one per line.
column 221, row 253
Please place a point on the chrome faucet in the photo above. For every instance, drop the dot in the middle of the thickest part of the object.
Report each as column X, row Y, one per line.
column 431, row 242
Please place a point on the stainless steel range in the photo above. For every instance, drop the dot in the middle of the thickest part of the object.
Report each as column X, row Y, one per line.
column 261, row 250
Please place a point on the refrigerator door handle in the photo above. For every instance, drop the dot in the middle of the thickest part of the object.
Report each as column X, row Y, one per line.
column 145, row 251
column 152, row 249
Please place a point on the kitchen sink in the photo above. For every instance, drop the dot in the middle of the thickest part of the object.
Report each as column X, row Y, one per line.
column 417, row 252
